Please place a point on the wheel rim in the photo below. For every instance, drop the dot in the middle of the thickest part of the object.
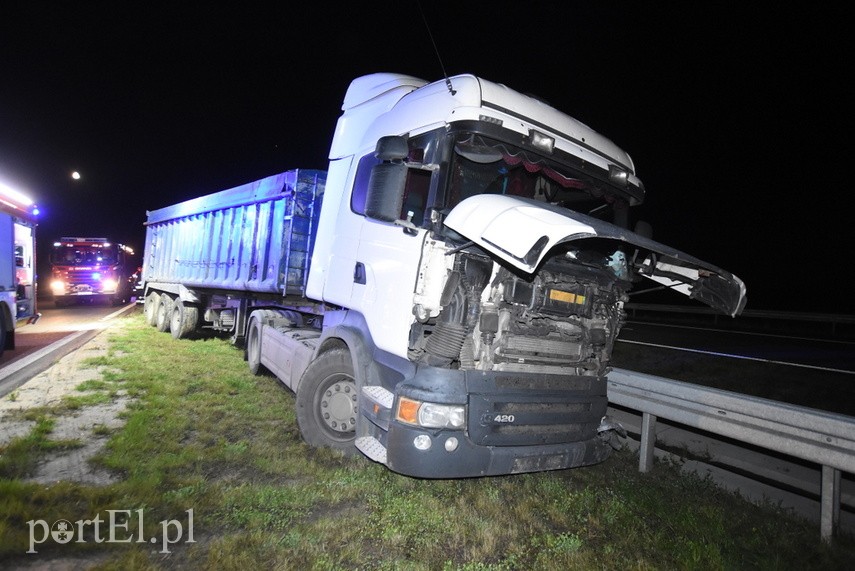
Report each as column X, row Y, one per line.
column 337, row 407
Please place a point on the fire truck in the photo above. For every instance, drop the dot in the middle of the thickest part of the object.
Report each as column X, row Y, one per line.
column 17, row 264
column 89, row 269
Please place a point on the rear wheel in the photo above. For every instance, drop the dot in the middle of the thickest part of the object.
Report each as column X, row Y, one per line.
column 150, row 305
column 183, row 319
column 327, row 404
column 164, row 312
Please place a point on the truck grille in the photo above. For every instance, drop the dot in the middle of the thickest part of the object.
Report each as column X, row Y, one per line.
column 80, row 276
column 536, row 416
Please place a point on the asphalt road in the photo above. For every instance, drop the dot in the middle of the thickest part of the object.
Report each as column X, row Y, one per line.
column 57, row 333
column 820, row 354
column 813, row 373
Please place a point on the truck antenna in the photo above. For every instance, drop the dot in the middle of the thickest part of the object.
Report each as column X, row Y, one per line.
column 444, row 74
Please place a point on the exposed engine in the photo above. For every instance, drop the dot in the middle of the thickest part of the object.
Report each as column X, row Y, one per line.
column 564, row 320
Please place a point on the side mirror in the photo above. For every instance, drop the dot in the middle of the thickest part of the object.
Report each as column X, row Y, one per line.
column 385, row 195
column 392, row 148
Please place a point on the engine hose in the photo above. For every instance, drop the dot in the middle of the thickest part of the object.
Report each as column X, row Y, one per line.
column 447, row 337
column 459, row 318
column 446, row 340
column 467, row 354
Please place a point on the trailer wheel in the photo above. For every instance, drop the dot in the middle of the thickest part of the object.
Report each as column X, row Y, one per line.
column 164, row 312
column 184, row 319
column 253, row 347
column 150, row 305
column 327, row 404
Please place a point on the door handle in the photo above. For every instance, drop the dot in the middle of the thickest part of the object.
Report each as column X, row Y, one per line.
column 359, row 273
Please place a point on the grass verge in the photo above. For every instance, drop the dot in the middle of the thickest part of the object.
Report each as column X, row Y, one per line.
column 210, row 453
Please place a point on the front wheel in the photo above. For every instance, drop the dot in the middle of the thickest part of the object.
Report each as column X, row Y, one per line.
column 327, row 403
column 253, row 347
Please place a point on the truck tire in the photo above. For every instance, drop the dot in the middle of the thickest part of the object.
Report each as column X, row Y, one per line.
column 253, row 348
column 164, row 312
column 2, row 334
column 150, row 305
column 327, row 404
column 183, row 319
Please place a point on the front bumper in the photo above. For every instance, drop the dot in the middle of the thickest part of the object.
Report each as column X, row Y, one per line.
column 554, row 425
column 469, row 460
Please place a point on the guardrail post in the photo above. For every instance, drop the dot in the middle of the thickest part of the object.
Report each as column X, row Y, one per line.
column 829, row 511
column 825, row 439
column 648, row 442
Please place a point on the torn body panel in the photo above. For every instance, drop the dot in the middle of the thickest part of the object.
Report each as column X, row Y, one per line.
column 522, row 231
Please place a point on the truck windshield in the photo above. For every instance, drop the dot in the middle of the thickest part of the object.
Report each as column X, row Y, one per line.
column 82, row 256
column 484, row 166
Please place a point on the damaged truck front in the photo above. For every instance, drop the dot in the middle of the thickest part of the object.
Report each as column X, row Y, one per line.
column 524, row 272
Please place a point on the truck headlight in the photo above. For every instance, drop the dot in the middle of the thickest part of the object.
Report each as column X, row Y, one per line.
column 430, row 414
column 57, row 287
column 109, row 285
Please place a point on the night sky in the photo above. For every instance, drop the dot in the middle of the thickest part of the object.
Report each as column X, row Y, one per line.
column 737, row 116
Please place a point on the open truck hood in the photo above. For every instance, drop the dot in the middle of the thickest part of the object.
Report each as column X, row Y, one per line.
column 521, row 231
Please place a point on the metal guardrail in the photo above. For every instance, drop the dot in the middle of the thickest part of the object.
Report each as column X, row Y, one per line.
column 827, row 439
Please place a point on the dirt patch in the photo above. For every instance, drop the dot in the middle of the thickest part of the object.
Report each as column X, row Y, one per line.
column 88, row 425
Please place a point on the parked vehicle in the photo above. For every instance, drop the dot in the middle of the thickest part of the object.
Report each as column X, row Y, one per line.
column 17, row 264
column 443, row 298
column 85, row 268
